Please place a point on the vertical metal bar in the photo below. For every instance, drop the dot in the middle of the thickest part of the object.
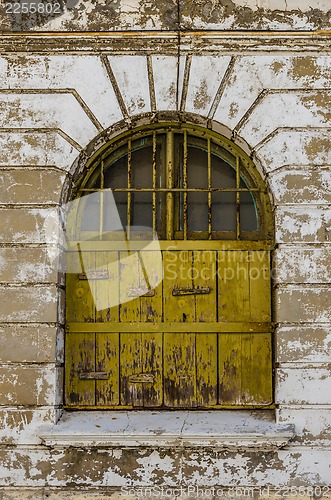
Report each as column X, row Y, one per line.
column 185, row 153
column 101, row 200
column 209, row 189
column 129, row 198
column 237, row 198
column 154, row 182
column 170, row 180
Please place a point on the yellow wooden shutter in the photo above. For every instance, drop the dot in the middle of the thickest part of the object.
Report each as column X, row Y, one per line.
column 245, row 358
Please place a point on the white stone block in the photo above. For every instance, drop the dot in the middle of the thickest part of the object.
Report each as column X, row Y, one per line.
column 206, row 75
column 302, row 265
column 303, row 386
column 286, row 109
column 83, row 73
column 295, row 147
column 312, row 425
column 132, row 78
column 36, row 148
column 303, row 344
column 303, row 304
column 302, row 223
column 47, row 111
column 165, row 81
column 255, row 73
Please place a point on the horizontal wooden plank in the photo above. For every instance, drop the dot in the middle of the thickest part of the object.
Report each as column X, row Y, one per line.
column 271, row 406
column 139, row 327
column 102, row 246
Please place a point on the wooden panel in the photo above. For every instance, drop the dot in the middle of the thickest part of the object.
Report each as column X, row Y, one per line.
column 141, row 353
column 151, row 306
column 113, row 244
column 130, row 344
column 198, row 328
column 244, row 290
column 152, row 344
column 107, row 290
column 79, row 300
column 130, row 364
column 80, row 357
column 245, row 361
column 107, row 345
column 80, row 348
column 108, row 360
column 152, row 363
column 204, row 273
column 179, row 349
column 130, row 278
column 233, row 286
column 259, row 286
column 245, row 369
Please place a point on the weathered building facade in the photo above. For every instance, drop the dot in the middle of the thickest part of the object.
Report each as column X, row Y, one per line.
column 73, row 80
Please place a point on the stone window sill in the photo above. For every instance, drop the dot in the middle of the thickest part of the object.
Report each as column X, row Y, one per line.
column 234, row 430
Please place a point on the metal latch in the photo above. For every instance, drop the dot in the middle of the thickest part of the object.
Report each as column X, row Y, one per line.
column 140, row 291
column 141, row 378
column 94, row 275
column 94, row 376
column 199, row 290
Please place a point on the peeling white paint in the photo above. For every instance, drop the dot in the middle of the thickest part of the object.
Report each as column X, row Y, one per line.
column 301, row 190
column 132, row 78
column 252, row 75
column 85, row 74
column 279, row 110
column 206, row 75
column 50, row 111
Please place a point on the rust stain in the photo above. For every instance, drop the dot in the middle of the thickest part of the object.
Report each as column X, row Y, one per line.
column 277, row 66
column 319, row 104
column 315, row 146
column 201, row 98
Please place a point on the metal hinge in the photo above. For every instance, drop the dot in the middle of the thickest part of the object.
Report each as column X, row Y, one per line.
column 141, row 378
column 94, row 376
column 200, row 290
column 140, row 291
column 94, row 275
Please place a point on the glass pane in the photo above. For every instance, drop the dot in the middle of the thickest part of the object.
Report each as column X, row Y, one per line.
column 197, row 177
column 141, row 169
column 223, row 175
column 197, row 214
column 223, row 204
column 115, row 176
column 109, row 210
column 91, row 212
column 248, row 215
column 224, row 211
column 141, row 209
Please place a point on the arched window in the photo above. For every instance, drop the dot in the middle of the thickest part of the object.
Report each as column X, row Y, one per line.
column 201, row 336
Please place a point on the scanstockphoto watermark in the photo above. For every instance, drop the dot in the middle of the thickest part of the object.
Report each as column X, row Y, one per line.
column 212, row 266
column 129, row 263
column 38, row 7
column 136, row 263
column 232, row 492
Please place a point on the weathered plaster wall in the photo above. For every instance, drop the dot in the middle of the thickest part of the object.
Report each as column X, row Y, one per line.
column 108, row 15
column 272, row 96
